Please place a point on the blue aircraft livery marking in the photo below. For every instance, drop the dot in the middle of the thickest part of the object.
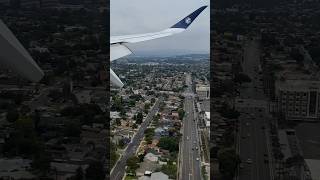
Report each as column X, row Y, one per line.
column 185, row 22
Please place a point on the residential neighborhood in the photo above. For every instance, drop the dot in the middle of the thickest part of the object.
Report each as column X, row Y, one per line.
column 158, row 154
column 57, row 128
column 266, row 89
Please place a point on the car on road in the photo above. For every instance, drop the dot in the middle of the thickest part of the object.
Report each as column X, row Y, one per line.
column 248, row 135
column 241, row 166
column 197, row 159
column 197, row 148
column 247, row 124
column 249, row 161
column 187, row 137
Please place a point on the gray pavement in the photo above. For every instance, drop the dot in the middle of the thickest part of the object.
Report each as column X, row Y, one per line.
column 253, row 147
column 190, row 152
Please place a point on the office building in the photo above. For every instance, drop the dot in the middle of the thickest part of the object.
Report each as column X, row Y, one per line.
column 203, row 92
column 299, row 99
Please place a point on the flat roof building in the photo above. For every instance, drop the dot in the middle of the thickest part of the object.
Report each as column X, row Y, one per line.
column 203, row 92
column 298, row 99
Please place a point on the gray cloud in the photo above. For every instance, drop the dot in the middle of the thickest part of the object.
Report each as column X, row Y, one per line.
column 143, row 16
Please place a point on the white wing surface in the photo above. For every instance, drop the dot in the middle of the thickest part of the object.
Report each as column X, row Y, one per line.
column 14, row 56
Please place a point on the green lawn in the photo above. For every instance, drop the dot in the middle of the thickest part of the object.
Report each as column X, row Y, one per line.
column 130, row 178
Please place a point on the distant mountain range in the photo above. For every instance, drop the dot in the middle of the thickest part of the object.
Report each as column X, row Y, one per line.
column 165, row 56
column 77, row 2
column 170, row 53
column 179, row 59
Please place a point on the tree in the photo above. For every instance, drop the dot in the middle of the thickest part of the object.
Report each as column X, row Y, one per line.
column 141, row 157
column 18, row 99
column 146, row 107
column 242, row 78
column 118, row 101
column 73, row 129
column 229, row 113
column 153, row 100
column 139, row 118
column 123, row 113
column 12, row 115
column 228, row 138
column 36, row 119
column 95, row 171
column 42, row 162
column 181, row 113
column 170, row 169
column 134, row 126
column 79, row 174
column 122, row 143
column 173, row 132
column 113, row 154
column 149, row 133
column 23, row 140
column 118, row 122
column 169, row 143
column 133, row 164
column 132, row 103
column 155, row 120
column 228, row 162
column 24, row 109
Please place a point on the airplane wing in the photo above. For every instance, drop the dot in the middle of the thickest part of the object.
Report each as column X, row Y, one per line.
column 14, row 56
column 119, row 49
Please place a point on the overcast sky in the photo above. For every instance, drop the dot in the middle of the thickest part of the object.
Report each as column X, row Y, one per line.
column 144, row 16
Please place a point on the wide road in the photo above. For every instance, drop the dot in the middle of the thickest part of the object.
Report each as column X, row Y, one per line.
column 119, row 169
column 190, row 152
column 253, row 147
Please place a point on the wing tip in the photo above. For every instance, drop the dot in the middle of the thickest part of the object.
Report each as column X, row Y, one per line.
column 187, row 21
column 115, row 79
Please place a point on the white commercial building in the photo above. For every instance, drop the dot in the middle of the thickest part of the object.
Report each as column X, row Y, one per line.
column 207, row 118
column 298, row 99
column 203, row 92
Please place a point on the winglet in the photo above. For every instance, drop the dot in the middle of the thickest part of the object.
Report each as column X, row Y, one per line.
column 185, row 22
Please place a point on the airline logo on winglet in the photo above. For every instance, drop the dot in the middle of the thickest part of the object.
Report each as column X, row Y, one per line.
column 188, row 20
column 185, row 22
